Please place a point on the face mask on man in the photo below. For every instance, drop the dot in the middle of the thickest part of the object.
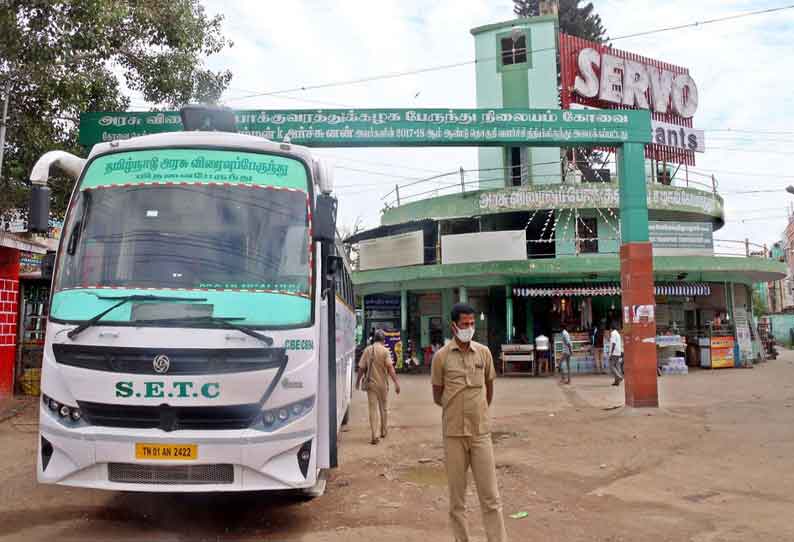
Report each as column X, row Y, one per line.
column 464, row 335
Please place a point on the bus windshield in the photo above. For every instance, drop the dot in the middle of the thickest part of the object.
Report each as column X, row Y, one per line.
column 231, row 223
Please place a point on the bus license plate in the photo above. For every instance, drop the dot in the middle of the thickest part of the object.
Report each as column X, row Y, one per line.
column 177, row 452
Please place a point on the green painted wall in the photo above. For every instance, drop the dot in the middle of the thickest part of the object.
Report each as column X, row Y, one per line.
column 533, row 84
column 609, row 240
column 566, row 234
column 565, row 240
column 782, row 324
column 489, row 94
column 542, row 82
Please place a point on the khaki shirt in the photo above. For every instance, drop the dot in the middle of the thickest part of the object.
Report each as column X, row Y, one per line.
column 464, row 401
column 380, row 358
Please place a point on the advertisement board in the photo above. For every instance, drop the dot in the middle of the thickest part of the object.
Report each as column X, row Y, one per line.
column 689, row 236
column 30, row 264
column 395, row 346
column 722, row 352
column 597, row 75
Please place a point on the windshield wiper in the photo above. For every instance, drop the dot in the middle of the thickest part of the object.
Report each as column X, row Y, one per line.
column 224, row 321
column 125, row 299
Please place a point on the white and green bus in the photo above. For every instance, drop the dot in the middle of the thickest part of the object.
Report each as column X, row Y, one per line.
column 201, row 327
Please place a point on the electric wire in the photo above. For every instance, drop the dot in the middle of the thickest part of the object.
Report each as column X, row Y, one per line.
column 393, row 75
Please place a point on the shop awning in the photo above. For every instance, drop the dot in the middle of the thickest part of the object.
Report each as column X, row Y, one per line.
column 611, row 289
column 683, row 289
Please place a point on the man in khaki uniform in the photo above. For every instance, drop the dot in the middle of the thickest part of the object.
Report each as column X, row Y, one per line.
column 462, row 375
column 374, row 367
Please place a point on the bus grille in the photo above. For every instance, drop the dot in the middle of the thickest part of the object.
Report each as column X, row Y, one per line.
column 170, row 418
column 130, row 473
column 182, row 361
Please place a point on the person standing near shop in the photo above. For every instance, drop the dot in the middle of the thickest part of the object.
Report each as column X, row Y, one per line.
column 597, row 342
column 374, row 369
column 462, row 376
column 615, row 354
column 567, row 352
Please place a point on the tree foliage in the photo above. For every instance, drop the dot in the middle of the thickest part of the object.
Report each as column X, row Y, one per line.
column 575, row 20
column 59, row 58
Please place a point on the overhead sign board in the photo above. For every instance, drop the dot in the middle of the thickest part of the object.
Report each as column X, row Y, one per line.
column 596, row 75
column 397, row 127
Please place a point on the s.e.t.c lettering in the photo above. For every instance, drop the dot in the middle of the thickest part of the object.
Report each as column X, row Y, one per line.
column 154, row 389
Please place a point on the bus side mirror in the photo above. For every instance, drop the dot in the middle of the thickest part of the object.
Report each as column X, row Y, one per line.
column 48, row 266
column 39, row 212
column 324, row 219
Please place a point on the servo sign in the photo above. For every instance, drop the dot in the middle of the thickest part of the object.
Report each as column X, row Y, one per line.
column 634, row 84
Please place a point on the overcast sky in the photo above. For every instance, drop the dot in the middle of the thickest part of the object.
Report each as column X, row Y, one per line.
column 744, row 70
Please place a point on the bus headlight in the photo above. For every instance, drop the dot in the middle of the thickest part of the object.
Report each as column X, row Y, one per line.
column 279, row 417
column 69, row 416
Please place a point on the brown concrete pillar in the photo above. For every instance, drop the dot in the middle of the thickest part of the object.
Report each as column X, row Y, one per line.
column 639, row 324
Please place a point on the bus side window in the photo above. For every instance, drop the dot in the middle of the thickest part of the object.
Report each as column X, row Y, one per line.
column 349, row 288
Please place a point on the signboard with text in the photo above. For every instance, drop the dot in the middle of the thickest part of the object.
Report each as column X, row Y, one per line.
column 396, row 127
column 600, row 76
column 681, row 235
column 581, row 196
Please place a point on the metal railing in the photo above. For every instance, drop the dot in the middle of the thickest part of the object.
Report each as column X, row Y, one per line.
column 682, row 177
column 463, row 180
column 738, row 248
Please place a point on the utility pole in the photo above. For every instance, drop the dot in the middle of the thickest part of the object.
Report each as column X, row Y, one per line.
column 3, row 122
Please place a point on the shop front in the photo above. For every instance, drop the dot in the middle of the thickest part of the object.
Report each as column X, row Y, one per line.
column 698, row 324
column 20, row 263
column 34, row 295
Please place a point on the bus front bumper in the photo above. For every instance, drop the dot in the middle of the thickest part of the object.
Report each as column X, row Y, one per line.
column 227, row 460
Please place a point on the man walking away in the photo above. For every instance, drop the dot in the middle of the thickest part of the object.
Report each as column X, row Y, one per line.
column 462, row 375
column 597, row 340
column 615, row 354
column 373, row 368
column 567, row 351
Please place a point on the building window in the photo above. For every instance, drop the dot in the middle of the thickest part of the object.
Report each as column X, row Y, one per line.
column 518, row 168
column 514, row 49
column 587, row 232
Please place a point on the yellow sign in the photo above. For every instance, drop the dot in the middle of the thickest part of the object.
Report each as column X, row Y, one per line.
column 176, row 452
column 722, row 352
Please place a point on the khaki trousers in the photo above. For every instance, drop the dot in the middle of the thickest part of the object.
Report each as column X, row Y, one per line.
column 477, row 451
column 378, row 410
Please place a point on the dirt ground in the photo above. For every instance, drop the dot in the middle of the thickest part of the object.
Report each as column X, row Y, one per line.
column 713, row 465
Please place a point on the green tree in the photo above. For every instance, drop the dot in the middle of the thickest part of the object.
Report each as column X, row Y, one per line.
column 575, row 20
column 59, row 58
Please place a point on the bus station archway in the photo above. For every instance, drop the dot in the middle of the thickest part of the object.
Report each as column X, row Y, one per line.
column 626, row 130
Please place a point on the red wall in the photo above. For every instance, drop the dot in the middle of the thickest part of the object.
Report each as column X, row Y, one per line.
column 9, row 305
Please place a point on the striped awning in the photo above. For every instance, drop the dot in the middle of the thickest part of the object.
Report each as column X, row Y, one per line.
column 683, row 289
column 610, row 289
column 565, row 291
